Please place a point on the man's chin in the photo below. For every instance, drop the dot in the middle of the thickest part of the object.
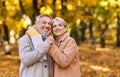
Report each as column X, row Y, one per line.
column 48, row 32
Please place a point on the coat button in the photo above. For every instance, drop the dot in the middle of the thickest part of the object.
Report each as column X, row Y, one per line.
column 45, row 66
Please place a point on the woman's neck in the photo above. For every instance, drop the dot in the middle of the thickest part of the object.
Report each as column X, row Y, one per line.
column 58, row 38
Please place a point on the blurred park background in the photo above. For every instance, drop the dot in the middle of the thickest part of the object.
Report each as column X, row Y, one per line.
column 94, row 24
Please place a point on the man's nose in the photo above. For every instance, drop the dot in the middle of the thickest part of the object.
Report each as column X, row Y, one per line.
column 48, row 25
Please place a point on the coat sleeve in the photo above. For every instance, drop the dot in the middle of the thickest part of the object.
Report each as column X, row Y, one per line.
column 29, row 56
column 64, row 58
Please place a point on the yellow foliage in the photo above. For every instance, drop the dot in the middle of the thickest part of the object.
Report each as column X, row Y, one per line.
column 46, row 10
column 12, row 5
column 89, row 2
column 102, row 26
column 71, row 6
column 1, row 22
column 58, row 4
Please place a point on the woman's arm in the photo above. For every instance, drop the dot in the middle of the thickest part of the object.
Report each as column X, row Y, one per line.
column 65, row 57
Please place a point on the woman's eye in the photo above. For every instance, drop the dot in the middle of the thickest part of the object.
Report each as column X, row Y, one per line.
column 60, row 25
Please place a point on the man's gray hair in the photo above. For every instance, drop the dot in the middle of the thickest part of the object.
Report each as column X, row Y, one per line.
column 40, row 16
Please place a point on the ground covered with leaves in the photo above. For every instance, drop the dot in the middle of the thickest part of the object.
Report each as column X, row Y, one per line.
column 101, row 62
column 9, row 64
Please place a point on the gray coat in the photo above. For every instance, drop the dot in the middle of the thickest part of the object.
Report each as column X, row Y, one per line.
column 32, row 52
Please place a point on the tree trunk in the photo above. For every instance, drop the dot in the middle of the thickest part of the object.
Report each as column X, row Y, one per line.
column 54, row 9
column 42, row 3
column 82, row 29
column 90, row 29
column 118, row 31
column 64, row 8
column 102, row 35
column 35, row 10
column 92, row 39
column 23, row 12
column 102, row 39
column 6, row 31
column 5, row 27
column 21, row 6
column 75, row 34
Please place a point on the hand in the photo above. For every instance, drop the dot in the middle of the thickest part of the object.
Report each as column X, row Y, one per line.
column 50, row 39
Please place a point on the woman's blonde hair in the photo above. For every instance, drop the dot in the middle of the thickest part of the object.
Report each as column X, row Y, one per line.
column 61, row 20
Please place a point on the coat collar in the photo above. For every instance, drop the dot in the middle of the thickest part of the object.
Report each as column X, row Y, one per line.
column 63, row 37
column 32, row 31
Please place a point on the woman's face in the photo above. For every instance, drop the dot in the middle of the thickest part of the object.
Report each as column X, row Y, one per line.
column 58, row 28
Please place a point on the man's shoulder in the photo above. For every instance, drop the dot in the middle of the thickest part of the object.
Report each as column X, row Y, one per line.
column 24, row 37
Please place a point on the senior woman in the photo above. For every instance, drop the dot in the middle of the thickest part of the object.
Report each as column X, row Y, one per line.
column 64, row 51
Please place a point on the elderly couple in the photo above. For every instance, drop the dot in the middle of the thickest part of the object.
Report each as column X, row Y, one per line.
column 43, row 54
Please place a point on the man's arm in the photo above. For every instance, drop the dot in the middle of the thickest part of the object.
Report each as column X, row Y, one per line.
column 29, row 56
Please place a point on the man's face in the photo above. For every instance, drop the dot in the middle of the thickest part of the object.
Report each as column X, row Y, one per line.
column 44, row 25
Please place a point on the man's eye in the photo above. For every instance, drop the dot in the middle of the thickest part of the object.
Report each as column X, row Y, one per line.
column 50, row 23
column 43, row 22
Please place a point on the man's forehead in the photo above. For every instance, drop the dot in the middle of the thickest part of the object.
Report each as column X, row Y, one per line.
column 46, row 19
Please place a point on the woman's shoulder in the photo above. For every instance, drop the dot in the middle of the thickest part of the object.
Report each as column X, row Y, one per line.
column 70, row 39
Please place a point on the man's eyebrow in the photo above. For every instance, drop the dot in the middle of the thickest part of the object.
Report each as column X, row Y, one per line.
column 43, row 20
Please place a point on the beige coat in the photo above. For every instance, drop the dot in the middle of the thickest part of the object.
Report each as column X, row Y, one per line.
column 66, row 57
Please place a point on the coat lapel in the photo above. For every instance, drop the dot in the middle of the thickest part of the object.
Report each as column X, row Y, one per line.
column 63, row 42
